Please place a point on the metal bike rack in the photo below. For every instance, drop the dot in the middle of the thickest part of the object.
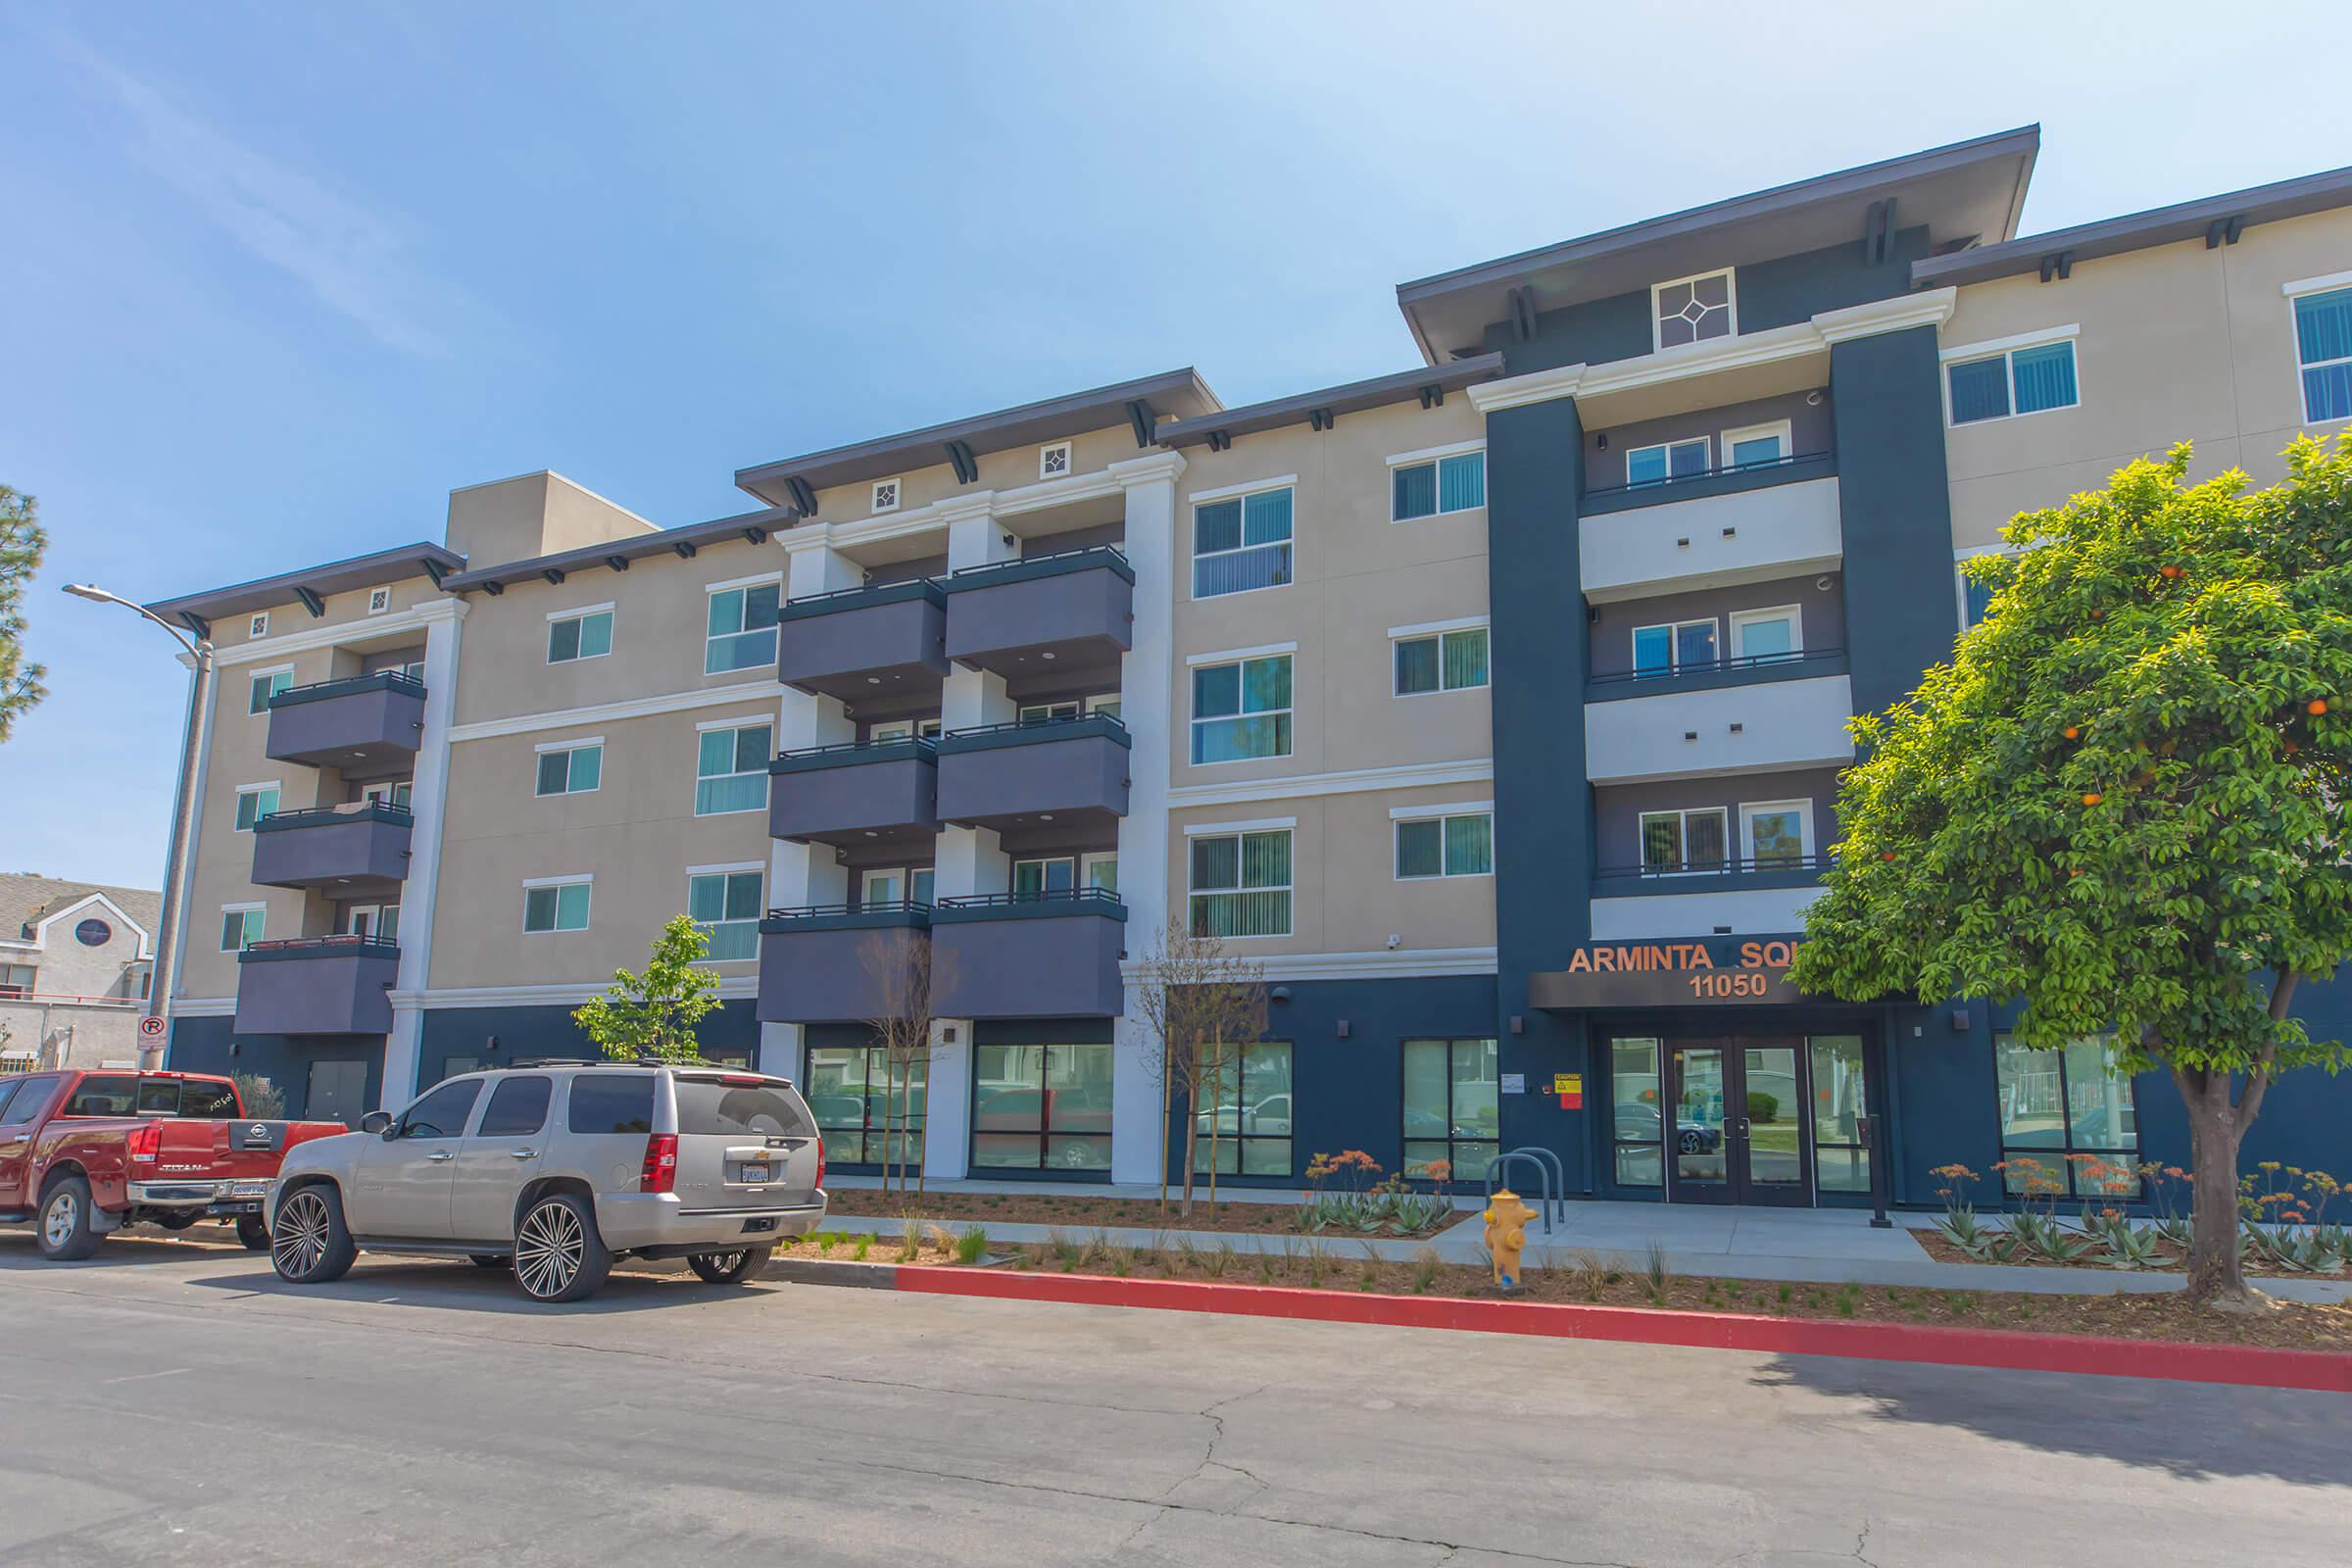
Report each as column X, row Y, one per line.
column 1560, row 1175
column 1543, row 1160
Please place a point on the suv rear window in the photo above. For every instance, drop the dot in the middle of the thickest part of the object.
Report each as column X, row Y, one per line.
column 613, row 1103
column 708, row 1107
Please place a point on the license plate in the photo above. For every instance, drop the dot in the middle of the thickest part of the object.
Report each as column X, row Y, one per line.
column 259, row 1189
column 756, row 1173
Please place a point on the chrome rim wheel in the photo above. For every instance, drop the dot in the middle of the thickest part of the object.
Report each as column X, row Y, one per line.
column 548, row 1249
column 60, row 1218
column 298, row 1245
column 729, row 1262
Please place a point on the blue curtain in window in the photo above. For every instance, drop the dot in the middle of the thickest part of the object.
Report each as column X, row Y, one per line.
column 1980, row 390
column 2044, row 376
column 2324, row 332
column 1462, row 482
column 1979, row 600
column 1416, row 491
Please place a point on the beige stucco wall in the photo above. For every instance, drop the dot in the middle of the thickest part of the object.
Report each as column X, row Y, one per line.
column 2177, row 343
column 532, row 515
column 1010, row 469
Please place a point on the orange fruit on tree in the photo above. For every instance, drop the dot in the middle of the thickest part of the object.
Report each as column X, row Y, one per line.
column 2092, row 799
column 2316, row 706
column 2072, row 732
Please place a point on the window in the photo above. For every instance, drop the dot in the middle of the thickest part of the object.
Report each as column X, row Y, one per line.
column 457, row 1066
column 31, row 1099
column 1693, row 310
column 1455, row 843
column 266, row 685
column 93, row 933
column 1451, row 482
column 868, row 1110
column 612, row 1103
column 1665, row 650
column 1638, row 1125
column 899, row 729
column 443, row 1111
column 1241, row 543
column 1035, row 879
column 1673, row 842
column 587, row 634
column 241, row 926
column 742, row 629
column 111, row 1095
column 1100, row 871
column 1773, row 833
column 1442, row 661
column 255, row 802
column 2018, row 380
column 1047, row 712
column 1243, row 1124
column 16, row 979
column 1240, row 884
column 1451, row 1110
column 710, row 1108
column 1107, row 705
column 555, row 907
column 1756, row 444
column 1042, row 1107
column 725, row 904
column 517, row 1107
column 571, row 768
column 730, row 769
column 2323, row 350
column 259, row 625
column 397, row 795
column 1241, row 710
column 2063, row 1111
column 896, row 886
column 1053, row 460
column 1668, row 459
column 1767, row 636
column 379, row 920
column 886, row 495
column 1840, row 1099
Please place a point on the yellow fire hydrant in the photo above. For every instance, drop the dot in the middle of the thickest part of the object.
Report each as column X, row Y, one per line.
column 1506, row 1235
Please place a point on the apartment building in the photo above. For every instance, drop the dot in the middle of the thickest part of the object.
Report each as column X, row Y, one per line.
column 1495, row 707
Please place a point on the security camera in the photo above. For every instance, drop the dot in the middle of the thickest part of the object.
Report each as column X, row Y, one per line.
column 1396, row 941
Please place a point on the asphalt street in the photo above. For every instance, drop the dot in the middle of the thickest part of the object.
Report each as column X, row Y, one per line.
column 173, row 1404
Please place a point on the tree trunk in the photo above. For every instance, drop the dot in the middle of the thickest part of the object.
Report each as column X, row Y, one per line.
column 2216, row 1278
column 1167, row 1121
column 1191, row 1145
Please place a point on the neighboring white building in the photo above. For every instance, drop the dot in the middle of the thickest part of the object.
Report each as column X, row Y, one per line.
column 74, row 962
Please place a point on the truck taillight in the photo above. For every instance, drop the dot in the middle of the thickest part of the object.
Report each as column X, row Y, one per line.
column 146, row 1140
column 660, row 1173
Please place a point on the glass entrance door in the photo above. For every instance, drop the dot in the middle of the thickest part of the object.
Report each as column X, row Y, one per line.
column 1738, row 1134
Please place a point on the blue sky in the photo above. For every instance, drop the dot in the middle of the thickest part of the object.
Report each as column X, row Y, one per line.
column 279, row 277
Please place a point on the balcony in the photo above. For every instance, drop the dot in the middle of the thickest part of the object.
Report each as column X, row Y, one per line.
column 831, row 963
column 858, row 793
column 346, row 852
column 1714, row 674
column 364, row 726
column 1028, row 955
column 1071, row 772
column 317, row 986
column 1767, row 727
column 860, row 644
column 1711, row 530
column 1073, row 610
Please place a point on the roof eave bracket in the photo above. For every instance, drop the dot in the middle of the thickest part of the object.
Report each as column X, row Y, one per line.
column 2059, row 264
column 554, row 574
column 311, row 601
column 685, row 549
column 433, row 569
column 1140, row 419
column 617, row 562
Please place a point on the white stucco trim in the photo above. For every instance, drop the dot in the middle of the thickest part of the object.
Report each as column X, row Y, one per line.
column 1457, row 448
column 2312, row 285
column 613, row 713
column 1416, row 814
column 1431, row 627
column 1403, row 962
column 1226, row 492
column 2001, row 345
column 1303, row 786
column 1230, row 655
column 1263, row 824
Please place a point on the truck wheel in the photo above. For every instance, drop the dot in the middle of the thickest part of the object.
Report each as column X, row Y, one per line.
column 309, row 1242
column 65, row 1228
column 557, row 1254
column 731, row 1268
column 254, row 1231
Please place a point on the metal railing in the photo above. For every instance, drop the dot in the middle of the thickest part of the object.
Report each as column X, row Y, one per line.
column 1710, row 666
column 1107, row 722
column 1659, row 870
column 351, row 811
column 1106, row 554
column 921, row 745
column 835, row 912
column 339, row 945
column 925, row 587
column 1761, row 466
column 1081, row 900
column 389, row 680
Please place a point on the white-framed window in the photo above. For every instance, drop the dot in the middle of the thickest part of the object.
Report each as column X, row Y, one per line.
column 1974, row 598
column 1672, row 647
column 1440, row 660
column 1037, row 877
column 1694, row 310
column 266, row 684
column 2010, row 377
column 1049, row 712
column 255, row 802
column 380, row 921
column 740, row 628
column 18, row 980
column 574, row 634
column 2324, row 347
column 1756, row 446
column 1241, row 883
column 898, row 884
column 902, row 729
column 397, row 794
column 1053, row 460
column 730, row 767
column 1428, row 484
column 1441, row 840
column 724, row 902
column 1775, row 833
column 1679, row 842
column 259, row 625
column 557, row 904
column 1241, row 709
column 1100, row 870
column 379, row 599
column 570, row 767
column 1107, row 703
column 241, row 925
column 1767, row 636
column 1241, row 541
column 886, row 495
column 1662, row 461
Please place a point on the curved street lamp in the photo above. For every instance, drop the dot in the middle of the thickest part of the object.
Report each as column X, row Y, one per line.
column 170, row 935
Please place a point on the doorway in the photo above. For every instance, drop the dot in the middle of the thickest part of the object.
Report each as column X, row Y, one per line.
column 1738, row 1133
column 338, row 1091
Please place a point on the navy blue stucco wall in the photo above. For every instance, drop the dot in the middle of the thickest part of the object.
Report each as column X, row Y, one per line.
column 524, row 1033
column 212, row 1045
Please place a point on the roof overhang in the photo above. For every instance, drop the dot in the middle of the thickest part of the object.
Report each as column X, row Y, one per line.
column 792, row 482
column 2216, row 219
column 310, row 585
column 616, row 555
column 1429, row 384
column 1966, row 191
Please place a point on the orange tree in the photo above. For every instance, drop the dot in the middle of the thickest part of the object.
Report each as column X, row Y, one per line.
column 2125, row 801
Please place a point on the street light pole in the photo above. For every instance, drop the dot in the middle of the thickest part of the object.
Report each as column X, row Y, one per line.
column 170, row 935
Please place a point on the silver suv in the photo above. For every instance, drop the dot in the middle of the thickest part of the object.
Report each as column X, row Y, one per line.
column 557, row 1169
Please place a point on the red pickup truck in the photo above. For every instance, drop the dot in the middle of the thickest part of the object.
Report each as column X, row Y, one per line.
column 85, row 1153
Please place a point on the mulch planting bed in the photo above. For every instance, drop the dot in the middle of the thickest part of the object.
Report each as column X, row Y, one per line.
column 1083, row 1214
column 2176, row 1259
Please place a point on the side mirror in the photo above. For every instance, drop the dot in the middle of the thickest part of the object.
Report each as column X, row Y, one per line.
column 376, row 1121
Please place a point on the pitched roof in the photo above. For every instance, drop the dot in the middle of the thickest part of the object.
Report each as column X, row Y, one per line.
column 26, row 899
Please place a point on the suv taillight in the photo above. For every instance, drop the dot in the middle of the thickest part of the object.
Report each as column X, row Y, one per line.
column 821, row 1162
column 660, row 1173
column 146, row 1140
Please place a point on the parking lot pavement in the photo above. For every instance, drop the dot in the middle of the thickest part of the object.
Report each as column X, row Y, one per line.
column 171, row 1403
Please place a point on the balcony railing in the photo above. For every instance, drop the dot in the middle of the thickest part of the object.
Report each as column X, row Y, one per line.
column 1042, row 954
column 321, row 690
column 1012, row 774
column 1024, row 731
column 1695, row 674
column 848, row 754
column 355, row 811
column 840, row 963
column 330, row 946
column 1695, row 876
column 358, row 851
column 1042, row 902
column 855, row 793
column 334, row 985
column 864, row 644
column 1052, row 564
column 367, row 726
column 1070, row 614
column 811, row 916
column 1711, row 482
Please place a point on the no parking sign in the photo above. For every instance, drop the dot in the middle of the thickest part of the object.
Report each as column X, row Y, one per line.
column 151, row 1028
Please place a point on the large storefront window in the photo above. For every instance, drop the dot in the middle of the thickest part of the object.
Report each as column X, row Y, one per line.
column 1841, row 1165
column 1634, row 1108
column 1244, row 1125
column 1042, row 1107
column 1452, row 1108
column 2060, row 1104
column 866, row 1114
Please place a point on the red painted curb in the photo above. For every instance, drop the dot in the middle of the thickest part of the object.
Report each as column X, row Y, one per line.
column 2250, row 1366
